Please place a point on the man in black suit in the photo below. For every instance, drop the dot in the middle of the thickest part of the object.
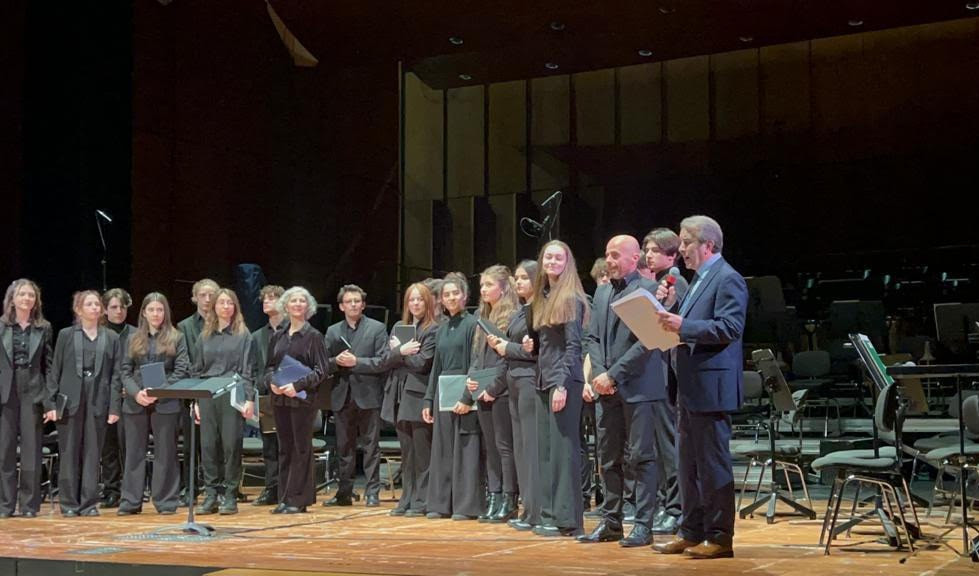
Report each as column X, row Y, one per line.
column 116, row 303
column 202, row 294
column 270, row 440
column 355, row 346
column 629, row 379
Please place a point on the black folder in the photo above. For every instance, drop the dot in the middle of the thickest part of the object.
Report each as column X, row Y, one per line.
column 196, row 388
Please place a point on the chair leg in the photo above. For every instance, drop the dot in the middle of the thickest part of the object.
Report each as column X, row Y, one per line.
column 834, row 493
column 744, row 482
column 836, row 514
column 853, row 509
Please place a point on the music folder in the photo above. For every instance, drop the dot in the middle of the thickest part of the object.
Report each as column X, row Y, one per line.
column 451, row 389
column 237, row 400
column 153, row 375
column 195, row 388
column 483, row 379
column 639, row 310
column 404, row 332
column 60, row 404
column 290, row 371
column 488, row 328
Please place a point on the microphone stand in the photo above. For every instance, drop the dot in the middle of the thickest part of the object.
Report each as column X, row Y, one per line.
column 105, row 251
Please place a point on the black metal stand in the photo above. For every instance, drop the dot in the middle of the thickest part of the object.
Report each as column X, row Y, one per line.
column 190, row 526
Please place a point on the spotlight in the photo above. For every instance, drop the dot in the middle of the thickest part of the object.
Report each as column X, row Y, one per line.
column 972, row 6
column 746, row 39
column 645, row 53
column 551, row 66
column 666, row 9
column 455, row 40
column 855, row 23
column 465, row 77
column 557, row 26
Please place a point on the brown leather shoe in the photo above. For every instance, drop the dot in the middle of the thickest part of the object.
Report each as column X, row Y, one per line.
column 675, row 546
column 707, row 550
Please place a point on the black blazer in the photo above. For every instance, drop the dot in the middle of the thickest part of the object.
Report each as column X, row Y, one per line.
column 365, row 381
column 640, row 374
column 313, row 355
column 192, row 326
column 41, row 355
column 176, row 367
column 65, row 376
column 488, row 358
column 520, row 363
column 408, row 373
column 560, row 360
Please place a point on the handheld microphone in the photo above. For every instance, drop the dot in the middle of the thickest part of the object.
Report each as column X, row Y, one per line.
column 670, row 280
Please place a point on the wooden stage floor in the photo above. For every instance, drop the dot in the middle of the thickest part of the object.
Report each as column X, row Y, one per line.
column 359, row 540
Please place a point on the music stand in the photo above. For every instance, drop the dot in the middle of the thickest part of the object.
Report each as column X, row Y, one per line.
column 780, row 400
column 194, row 389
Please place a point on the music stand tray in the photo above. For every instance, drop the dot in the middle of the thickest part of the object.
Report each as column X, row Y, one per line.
column 194, row 389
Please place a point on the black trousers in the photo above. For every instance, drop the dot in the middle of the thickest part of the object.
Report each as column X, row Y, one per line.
column 20, row 417
column 439, row 495
column 559, row 448
column 80, row 438
column 668, row 490
column 113, row 456
column 523, row 417
column 705, row 476
column 626, row 434
column 294, row 425
column 165, row 482
column 416, row 453
column 270, row 457
column 350, row 421
column 497, row 430
column 222, row 428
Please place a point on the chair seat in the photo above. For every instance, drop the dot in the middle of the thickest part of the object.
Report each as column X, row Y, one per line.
column 251, row 446
column 809, row 383
column 858, row 459
column 758, row 449
column 940, row 441
column 939, row 454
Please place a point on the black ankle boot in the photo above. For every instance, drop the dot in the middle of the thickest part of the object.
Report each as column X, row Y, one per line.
column 492, row 507
column 507, row 510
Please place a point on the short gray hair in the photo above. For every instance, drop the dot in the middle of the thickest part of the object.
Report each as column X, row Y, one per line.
column 297, row 291
column 704, row 229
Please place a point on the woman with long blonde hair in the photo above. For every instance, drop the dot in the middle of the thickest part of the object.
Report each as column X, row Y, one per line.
column 560, row 309
column 410, row 363
column 498, row 304
column 154, row 340
column 226, row 348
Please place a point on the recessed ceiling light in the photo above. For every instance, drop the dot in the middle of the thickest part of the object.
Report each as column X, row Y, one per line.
column 972, row 6
column 557, row 26
column 645, row 53
column 746, row 39
column 855, row 22
column 466, row 77
column 455, row 40
column 551, row 66
column 666, row 9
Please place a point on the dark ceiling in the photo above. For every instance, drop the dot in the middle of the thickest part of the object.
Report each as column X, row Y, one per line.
column 508, row 40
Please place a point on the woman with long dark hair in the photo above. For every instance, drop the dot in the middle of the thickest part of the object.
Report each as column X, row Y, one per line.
column 410, row 364
column 154, row 340
column 521, row 377
column 294, row 404
column 25, row 359
column 455, row 474
column 498, row 304
column 226, row 348
column 559, row 310
column 84, row 379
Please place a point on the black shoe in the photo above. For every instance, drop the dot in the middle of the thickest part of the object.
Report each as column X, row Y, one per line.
column 266, row 498
column 415, row 513
column 436, row 516
column 463, row 517
column 6, row 514
column 398, row 511
column 606, row 531
column 127, row 511
column 507, row 510
column 294, row 510
column 110, row 501
column 553, row 531
column 339, row 500
column 166, row 512
column 665, row 524
column 30, row 514
column 372, row 501
column 210, row 505
column 278, row 509
column 64, row 514
column 90, row 512
column 520, row 525
column 492, row 506
column 229, row 507
column 640, row 536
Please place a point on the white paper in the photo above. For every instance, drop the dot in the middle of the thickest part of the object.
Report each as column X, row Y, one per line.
column 638, row 310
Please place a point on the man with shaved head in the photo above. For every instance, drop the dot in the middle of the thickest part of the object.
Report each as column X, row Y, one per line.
column 629, row 379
